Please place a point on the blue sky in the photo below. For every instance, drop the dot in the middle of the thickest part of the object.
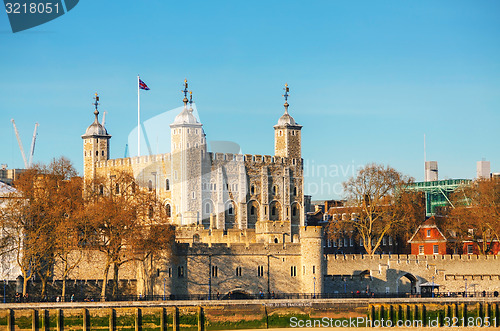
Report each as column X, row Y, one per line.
column 368, row 79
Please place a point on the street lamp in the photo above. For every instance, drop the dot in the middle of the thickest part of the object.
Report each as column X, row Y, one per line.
column 314, row 294
column 164, row 281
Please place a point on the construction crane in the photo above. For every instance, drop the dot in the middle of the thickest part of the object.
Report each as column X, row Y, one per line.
column 27, row 162
column 32, row 149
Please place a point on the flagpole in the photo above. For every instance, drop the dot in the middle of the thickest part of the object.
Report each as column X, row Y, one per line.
column 138, row 118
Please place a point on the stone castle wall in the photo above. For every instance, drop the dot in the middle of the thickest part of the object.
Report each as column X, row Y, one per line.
column 395, row 273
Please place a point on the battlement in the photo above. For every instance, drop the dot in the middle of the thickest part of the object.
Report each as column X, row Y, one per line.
column 239, row 249
column 129, row 161
column 409, row 257
column 249, row 158
column 311, row 232
column 272, row 227
column 214, row 157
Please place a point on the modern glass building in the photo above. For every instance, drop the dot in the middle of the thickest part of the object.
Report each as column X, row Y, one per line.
column 437, row 193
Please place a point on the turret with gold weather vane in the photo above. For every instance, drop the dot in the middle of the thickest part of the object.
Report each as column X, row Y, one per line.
column 95, row 143
column 287, row 142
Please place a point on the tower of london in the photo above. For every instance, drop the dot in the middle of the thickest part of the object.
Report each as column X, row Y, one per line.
column 240, row 217
column 239, row 223
column 214, row 191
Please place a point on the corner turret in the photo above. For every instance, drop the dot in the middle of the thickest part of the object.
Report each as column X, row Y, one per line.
column 95, row 144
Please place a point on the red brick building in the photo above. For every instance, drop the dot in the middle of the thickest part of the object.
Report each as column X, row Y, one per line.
column 429, row 240
column 472, row 249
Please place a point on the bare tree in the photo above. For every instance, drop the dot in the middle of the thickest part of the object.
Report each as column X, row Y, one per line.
column 377, row 205
column 128, row 223
column 46, row 196
column 475, row 214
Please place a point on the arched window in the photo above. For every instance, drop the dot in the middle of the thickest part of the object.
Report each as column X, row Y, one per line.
column 273, row 211
column 101, row 189
column 117, row 188
column 252, row 190
column 168, row 210
column 252, row 210
column 294, row 211
column 150, row 212
column 295, row 190
column 167, row 184
column 150, row 185
column 230, row 208
column 102, row 153
column 207, row 208
column 196, row 238
column 275, row 189
column 96, row 153
column 276, row 240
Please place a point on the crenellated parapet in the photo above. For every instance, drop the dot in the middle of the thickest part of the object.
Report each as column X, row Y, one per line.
column 129, row 161
column 239, row 249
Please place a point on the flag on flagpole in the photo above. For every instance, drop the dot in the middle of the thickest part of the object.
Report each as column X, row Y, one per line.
column 143, row 85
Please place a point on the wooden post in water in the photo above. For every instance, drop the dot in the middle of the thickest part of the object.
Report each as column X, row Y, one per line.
column 85, row 315
column 463, row 311
column 200, row 318
column 371, row 312
column 34, row 320
column 494, row 315
column 45, row 320
column 138, row 319
column 163, row 320
column 59, row 320
column 112, row 323
column 176, row 319
column 421, row 309
column 10, row 320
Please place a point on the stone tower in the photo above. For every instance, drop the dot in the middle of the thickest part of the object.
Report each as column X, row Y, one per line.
column 95, row 145
column 287, row 134
column 188, row 147
column 311, row 254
